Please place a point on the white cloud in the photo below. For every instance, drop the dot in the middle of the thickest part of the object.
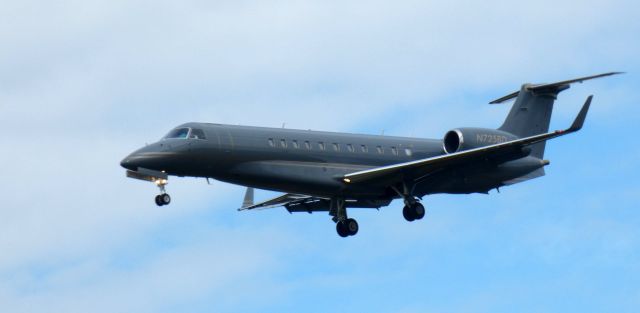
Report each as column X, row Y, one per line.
column 225, row 269
column 84, row 83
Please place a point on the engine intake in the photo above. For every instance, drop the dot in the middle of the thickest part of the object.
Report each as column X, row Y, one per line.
column 461, row 139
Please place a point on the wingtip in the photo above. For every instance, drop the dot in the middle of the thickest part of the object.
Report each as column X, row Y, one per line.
column 611, row 74
column 607, row 74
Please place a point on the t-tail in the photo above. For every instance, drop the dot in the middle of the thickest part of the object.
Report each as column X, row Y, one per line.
column 531, row 112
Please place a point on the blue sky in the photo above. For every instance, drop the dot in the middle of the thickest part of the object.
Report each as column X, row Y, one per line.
column 83, row 83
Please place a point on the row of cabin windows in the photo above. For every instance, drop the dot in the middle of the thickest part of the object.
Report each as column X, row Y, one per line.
column 336, row 146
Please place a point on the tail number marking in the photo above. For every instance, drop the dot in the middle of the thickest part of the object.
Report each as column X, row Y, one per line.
column 490, row 139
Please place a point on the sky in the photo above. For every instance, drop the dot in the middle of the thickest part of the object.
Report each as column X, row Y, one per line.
column 84, row 83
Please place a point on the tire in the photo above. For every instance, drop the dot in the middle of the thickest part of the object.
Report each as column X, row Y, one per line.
column 159, row 201
column 341, row 228
column 418, row 211
column 165, row 198
column 408, row 214
column 351, row 226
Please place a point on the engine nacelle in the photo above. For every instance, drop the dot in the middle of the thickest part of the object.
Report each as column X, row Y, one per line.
column 461, row 139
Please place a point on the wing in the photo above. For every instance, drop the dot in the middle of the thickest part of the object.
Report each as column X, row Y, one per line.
column 288, row 200
column 415, row 169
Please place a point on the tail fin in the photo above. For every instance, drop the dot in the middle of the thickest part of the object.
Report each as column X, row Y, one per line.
column 531, row 113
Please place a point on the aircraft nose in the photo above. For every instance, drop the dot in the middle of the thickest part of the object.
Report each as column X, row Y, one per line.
column 148, row 157
column 134, row 160
column 128, row 164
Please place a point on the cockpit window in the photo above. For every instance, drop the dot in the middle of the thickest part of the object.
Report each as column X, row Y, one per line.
column 178, row 133
column 197, row 133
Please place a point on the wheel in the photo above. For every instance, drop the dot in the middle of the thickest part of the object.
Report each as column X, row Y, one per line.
column 341, row 228
column 159, row 201
column 166, row 199
column 418, row 210
column 408, row 214
column 351, row 226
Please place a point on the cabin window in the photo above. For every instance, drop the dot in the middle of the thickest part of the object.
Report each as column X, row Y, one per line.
column 295, row 144
column 380, row 150
column 364, row 148
column 283, row 143
column 336, row 147
column 394, row 151
column 307, row 145
column 407, row 151
column 350, row 147
column 321, row 145
column 271, row 142
column 197, row 133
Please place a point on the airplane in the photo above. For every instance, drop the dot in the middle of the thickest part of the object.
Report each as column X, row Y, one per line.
column 333, row 172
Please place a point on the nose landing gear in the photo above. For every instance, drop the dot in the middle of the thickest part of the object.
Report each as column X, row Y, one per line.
column 163, row 198
column 160, row 178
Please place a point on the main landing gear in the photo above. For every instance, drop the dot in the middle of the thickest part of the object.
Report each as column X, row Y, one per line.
column 348, row 227
column 163, row 198
column 344, row 226
column 413, row 209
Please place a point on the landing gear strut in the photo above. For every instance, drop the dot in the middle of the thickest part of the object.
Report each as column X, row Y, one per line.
column 163, row 198
column 344, row 226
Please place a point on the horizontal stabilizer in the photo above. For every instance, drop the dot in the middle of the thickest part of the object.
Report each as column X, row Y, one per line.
column 568, row 82
column 508, row 97
column 552, row 86
column 282, row 200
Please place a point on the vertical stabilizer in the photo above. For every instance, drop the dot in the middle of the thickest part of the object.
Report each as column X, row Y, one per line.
column 531, row 113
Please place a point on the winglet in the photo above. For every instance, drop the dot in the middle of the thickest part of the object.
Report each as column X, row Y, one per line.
column 579, row 121
column 248, row 198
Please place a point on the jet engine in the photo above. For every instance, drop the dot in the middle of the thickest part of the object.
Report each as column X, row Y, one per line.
column 461, row 139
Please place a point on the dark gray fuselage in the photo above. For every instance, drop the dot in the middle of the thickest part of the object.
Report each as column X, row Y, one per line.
column 313, row 162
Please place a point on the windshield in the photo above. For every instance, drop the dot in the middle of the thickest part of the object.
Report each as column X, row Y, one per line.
column 178, row 133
